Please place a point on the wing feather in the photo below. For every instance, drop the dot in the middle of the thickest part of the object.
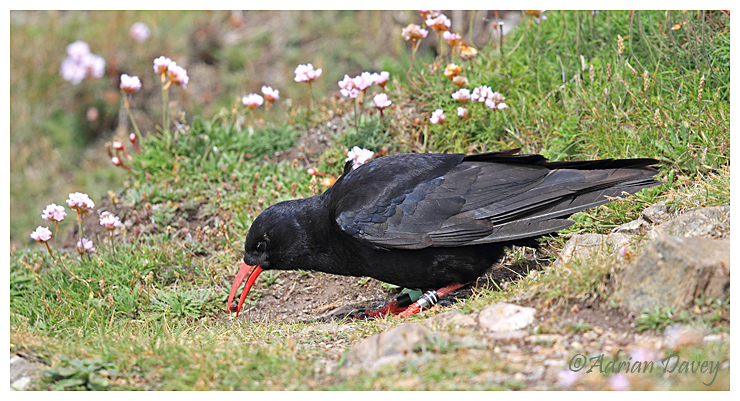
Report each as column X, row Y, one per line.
column 416, row 201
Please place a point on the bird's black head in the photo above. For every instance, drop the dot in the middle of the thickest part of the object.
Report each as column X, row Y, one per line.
column 272, row 243
column 277, row 238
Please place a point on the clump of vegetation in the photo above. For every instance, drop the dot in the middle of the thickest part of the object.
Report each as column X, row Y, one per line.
column 151, row 295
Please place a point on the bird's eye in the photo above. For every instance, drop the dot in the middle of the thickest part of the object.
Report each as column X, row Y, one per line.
column 261, row 246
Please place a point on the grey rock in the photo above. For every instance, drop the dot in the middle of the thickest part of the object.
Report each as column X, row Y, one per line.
column 581, row 246
column 673, row 271
column 677, row 336
column 23, row 372
column 633, row 227
column 656, row 213
column 389, row 347
column 451, row 318
column 705, row 222
column 503, row 317
column 514, row 335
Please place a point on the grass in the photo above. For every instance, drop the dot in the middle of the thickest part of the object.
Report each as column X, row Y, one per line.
column 148, row 314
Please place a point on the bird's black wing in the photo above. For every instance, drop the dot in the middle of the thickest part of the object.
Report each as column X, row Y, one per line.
column 422, row 200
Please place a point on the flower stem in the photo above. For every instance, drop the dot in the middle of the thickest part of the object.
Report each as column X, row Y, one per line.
column 413, row 52
column 49, row 248
column 441, row 44
column 56, row 246
column 313, row 99
column 355, row 107
column 79, row 224
column 165, row 111
column 131, row 118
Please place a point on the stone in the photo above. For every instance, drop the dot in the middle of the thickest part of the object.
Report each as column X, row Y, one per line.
column 23, row 372
column 504, row 317
column 678, row 336
column 581, row 246
column 544, row 338
column 514, row 335
column 673, row 271
column 390, row 347
column 633, row 227
column 656, row 213
column 705, row 222
column 451, row 318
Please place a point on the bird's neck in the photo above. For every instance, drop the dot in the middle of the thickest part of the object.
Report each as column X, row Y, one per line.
column 323, row 234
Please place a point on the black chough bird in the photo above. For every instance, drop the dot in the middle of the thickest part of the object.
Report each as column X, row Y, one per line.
column 431, row 221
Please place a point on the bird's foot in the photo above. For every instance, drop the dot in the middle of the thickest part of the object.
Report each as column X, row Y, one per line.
column 411, row 303
column 398, row 305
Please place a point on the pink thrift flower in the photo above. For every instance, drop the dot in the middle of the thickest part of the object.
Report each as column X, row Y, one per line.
column 139, row 31
column 306, row 73
column 567, row 377
column 130, row 84
column 54, row 212
column 77, row 50
column 363, row 81
column 462, row 112
column 92, row 114
column 85, row 246
column 451, row 38
column 109, row 221
column 619, row 382
column 462, row 95
column 382, row 78
column 72, row 71
column 641, row 354
column 95, row 66
column 481, row 94
column 118, row 162
column 347, row 87
column 439, row 23
column 42, row 234
column 413, row 32
column 270, row 94
column 438, row 117
column 80, row 202
column 496, row 101
column 177, row 75
column 541, row 16
column 132, row 138
column 381, row 101
column 252, row 101
column 429, row 13
column 81, row 64
column 160, row 64
column 359, row 156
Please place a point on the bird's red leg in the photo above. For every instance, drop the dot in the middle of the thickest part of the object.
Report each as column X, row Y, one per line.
column 428, row 299
column 391, row 308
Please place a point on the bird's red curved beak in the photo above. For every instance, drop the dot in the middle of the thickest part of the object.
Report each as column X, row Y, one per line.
column 243, row 271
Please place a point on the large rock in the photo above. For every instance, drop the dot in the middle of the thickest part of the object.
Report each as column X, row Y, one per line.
column 656, row 213
column 392, row 346
column 23, row 372
column 503, row 317
column 713, row 222
column 673, row 271
column 582, row 246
